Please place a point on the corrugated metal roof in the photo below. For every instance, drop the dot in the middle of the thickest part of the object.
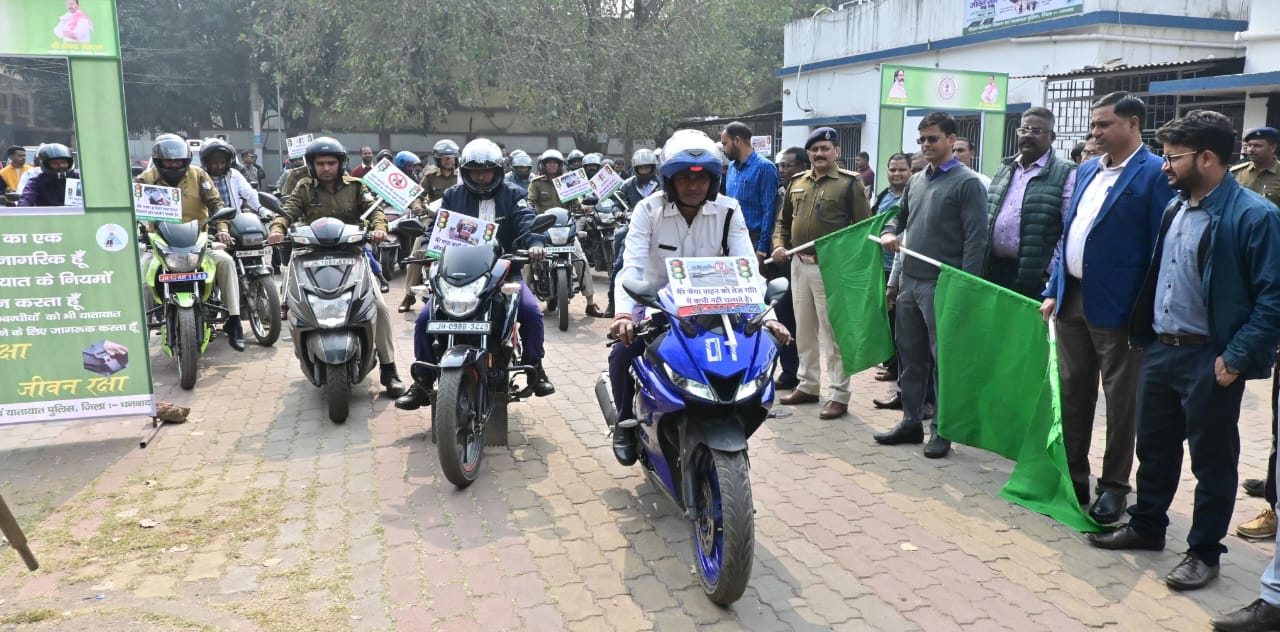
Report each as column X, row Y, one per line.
column 1090, row 71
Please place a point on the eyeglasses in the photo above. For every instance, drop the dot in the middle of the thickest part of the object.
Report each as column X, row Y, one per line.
column 928, row 139
column 1169, row 158
column 787, row 164
column 1031, row 131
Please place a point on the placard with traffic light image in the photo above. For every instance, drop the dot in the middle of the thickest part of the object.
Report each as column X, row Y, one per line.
column 297, row 146
column 456, row 229
column 605, row 182
column 392, row 185
column 156, row 203
column 715, row 285
column 572, row 185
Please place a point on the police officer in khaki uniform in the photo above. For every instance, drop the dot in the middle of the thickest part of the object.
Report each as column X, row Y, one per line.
column 818, row 202
column 445, row 175
column 171, row 167
column 1260, row 173
column 291, row 178
column 326, row 192
column 542, row 192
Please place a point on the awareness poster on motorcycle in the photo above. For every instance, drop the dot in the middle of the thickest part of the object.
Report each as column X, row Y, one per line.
column 392, row 185
column 715, row 285
column 66, row 29
column 297, row 146
column 605, row 182
column 74, row 193
column 73, row 338
column 456, row 229
column 572, row 185
column 156, row 203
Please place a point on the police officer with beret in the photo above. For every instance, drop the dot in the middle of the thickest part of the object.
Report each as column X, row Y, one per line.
column 817, row 202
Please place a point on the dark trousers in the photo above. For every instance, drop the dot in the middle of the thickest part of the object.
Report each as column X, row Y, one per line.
column 532, row 335
column 619, row 245
column 1181, row 400
column 1086, row 352
column 892, row 364
column 785, row 311
column 1004, row 272
column 1270, row 489
column 620, row 380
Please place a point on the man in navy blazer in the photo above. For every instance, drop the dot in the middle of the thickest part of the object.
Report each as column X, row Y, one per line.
column 1110, row 231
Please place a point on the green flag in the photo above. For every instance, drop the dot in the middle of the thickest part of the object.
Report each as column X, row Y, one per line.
column 998, row 390
column 853, row 274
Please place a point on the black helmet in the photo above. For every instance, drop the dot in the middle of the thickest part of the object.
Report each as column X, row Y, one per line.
column 171, row 147
column 325, row 146
column 479, row 155
column 212, row 148
column 55, row 151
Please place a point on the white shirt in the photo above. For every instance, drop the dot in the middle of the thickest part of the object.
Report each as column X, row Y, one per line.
column 242, row 193
column 658, row 232
column 1091, row 200
column 985, row 179
column 488, row 210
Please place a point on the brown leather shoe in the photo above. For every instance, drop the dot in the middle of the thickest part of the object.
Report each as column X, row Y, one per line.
column 833, row 410
column 594, row 311
column 799, row 397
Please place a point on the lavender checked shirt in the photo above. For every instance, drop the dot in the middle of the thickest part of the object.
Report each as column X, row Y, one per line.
column 1008, row 236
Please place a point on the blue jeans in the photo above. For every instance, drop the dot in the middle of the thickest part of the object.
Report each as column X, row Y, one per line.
column 532, row 335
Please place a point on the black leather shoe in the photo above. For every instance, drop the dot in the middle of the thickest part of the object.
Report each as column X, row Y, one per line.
column 235, row 333
column 937, row 447
column 419, row 395
column 893, row 403
column 1259, row 616
column 1255, row 487
column 904, row 432
column 1125, row 538
column 1191, row 573
column 391, row 380
column 624, row 445
column 1108, row 507
column 542, row 386
column 786, row 382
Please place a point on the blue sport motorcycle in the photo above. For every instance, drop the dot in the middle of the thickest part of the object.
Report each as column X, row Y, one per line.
column 704, row 385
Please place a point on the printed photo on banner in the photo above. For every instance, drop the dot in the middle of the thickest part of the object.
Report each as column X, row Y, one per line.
column 762, row 145
column 572, row 185
column 715, row 285
column 297, row 146
column 156, row 203
column 456, row 229
column 605, row 182
column 391, row 184
column 74, row 195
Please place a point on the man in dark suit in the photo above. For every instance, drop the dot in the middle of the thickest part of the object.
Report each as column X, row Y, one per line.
column 1109, row 233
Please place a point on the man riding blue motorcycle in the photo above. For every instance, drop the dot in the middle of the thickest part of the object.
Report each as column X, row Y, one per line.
column 484, row 193
column 688, row 219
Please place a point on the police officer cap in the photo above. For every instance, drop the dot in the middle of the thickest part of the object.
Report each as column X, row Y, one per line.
column 821, row 134
column 1269, row 134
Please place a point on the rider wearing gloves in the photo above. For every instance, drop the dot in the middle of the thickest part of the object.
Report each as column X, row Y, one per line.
column 171, row 167
column 326, row 192
column 49, row 186
column 688, row 219
column 484, row 194
column 218, row 156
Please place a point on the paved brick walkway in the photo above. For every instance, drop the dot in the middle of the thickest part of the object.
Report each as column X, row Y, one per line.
column 268, row 516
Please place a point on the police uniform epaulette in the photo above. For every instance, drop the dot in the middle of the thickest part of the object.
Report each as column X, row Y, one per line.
column 1240, row 166
column 799, row 174
column 539, row 177
column 847, row 172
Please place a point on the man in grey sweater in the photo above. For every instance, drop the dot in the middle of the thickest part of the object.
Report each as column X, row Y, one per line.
column 943, row 216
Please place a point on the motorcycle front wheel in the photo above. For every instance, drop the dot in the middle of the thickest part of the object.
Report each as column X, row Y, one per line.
column 337, row 390
column 387, row 259
column 723, row 523
column 562, row 297
column 264, row 310
column 456, row 419
column 606, row 256
column 188, row 349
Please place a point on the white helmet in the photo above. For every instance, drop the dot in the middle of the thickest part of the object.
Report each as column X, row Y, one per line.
column 644, row 157
column 550, row 154
column 444, row 148
column 479, row 155
column 520, row 159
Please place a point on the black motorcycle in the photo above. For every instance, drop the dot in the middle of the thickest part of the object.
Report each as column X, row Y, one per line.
column 259, row 296
column 476, row 296
column 403, row 230
column 554, row 280
column 332, row 311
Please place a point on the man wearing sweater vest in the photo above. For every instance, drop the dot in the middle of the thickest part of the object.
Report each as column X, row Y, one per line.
column 1025, row 204
column 942, row 215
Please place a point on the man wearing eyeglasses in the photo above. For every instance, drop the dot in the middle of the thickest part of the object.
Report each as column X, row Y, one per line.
column 1108, row 236
column 942, row 215
column 1025, row 204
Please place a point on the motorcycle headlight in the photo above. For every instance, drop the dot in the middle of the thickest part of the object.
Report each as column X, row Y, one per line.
column 254, row 240
column 331, row 312
column 459, row 301
column 690, row 386
column 749, row 389
column 559, row 235
column 185, row 262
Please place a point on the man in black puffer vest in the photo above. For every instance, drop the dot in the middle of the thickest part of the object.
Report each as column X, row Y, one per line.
column 1024, row 208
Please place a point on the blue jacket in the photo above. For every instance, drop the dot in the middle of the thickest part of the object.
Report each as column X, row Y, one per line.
column 1119, row 245
column 515, row 218
column 1241, row 279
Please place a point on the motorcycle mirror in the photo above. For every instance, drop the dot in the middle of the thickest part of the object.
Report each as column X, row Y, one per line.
column 644, row 293
column 775, row 289
column 226, row 213
column 271, row 202
column 12, row 196
column 542, row 222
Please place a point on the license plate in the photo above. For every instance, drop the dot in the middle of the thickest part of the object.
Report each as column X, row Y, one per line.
column 184, row 276
column 551, row 250
column 453, row 327
column 245, row 254
column 328, row 261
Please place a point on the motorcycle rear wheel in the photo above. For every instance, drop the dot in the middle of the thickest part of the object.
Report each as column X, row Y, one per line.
column 188, row 348
column 723, row 525
column 337, row 390
column 459, row 433
column 562, row 297
column 264, row 310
